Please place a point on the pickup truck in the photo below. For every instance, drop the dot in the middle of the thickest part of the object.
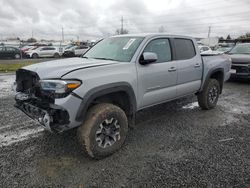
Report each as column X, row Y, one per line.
column 240, row 56
column 101, row 92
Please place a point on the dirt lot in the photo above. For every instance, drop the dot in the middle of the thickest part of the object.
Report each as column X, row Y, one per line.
column 174, row 145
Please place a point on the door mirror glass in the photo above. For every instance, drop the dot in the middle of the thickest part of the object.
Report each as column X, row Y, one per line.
column 148, row 57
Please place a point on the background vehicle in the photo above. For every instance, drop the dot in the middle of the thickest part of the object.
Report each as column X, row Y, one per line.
column 10, row 52
column 240, row 56
column 80, row 50
column 205, row 49
column 48, row 51
column 69, row 52
column 223, row 50
column 101, row 92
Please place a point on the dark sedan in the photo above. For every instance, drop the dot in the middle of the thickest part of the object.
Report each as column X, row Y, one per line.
column 9, row 52
column 240, row 56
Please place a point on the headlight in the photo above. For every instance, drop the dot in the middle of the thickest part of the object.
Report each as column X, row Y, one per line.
column 59, row 86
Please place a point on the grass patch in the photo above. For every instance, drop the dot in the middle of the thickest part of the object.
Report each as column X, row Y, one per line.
column 11, row 67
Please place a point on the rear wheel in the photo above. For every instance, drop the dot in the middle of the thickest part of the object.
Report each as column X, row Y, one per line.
column 35, row 56
column 208, row 98
column 104, row 130
column 56, row 55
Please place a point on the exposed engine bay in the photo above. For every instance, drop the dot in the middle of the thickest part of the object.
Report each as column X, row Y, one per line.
column 37, row 103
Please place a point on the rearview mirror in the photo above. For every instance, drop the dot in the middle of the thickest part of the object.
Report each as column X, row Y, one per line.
column 148, row 57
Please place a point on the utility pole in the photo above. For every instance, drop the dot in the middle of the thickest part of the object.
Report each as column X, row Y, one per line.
column 209, row 31
column 121, row 25
column 62, row 35
column 208, row 35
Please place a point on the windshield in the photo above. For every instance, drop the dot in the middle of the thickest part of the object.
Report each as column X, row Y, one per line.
column 223, row 49
column 115, row 48
column 241, row 49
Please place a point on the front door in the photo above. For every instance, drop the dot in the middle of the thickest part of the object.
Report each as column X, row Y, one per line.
column 157, row 81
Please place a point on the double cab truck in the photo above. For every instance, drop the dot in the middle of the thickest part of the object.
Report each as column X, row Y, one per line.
column 100, row 92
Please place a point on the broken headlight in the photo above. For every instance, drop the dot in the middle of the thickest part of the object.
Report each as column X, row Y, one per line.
column 59, row 87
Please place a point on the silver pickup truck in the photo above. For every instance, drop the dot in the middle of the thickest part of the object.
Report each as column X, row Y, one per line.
column 101, row 92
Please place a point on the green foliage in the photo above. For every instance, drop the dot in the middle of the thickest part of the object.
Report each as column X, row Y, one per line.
column 246, row 36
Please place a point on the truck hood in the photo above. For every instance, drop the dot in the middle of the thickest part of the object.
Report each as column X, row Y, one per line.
column 240, row 58
column 59, row 68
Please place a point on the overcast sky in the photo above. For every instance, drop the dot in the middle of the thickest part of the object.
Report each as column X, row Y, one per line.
column 90, row 19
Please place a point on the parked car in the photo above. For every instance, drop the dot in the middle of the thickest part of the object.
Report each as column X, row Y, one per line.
column 10, row 52
column 48, row 51
column 240, row 56
column 223, row 50
column 80, row 50
column 101, row 92
column 69, row 52
column 205, row 49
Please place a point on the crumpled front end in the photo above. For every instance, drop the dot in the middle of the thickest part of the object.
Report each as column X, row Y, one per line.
column 54, row 114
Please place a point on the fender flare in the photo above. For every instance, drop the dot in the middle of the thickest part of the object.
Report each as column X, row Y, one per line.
column 104, row 90
column 211, row 72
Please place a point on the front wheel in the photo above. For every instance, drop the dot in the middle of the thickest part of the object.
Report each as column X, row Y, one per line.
column 35, row 56
column 208, row 98
column 104, row 130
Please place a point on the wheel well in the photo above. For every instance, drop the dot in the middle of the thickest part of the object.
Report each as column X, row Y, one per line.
column 119, row 98
column 219, row 76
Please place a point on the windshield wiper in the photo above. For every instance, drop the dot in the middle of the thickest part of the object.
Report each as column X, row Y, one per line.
column 85, row 57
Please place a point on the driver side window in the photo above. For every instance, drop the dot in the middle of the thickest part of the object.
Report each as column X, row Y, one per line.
column 162, row 48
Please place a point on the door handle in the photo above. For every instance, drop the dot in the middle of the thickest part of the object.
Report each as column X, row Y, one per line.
column 197, row 65
column 172, row 69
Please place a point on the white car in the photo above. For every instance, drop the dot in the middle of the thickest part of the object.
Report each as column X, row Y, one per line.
column 205, row 49
column 47, row 51
column 80, row 50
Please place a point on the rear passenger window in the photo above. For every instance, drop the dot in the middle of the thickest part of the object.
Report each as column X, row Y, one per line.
column 184, row 49
column 162, row 48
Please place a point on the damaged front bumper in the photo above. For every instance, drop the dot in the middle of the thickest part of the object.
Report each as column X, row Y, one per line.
column 56, row 117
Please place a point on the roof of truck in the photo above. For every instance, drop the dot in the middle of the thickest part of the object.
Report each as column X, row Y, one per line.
column 149, row 35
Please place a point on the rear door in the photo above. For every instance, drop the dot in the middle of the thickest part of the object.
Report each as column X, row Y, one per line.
column 42, row 52
column 189, row 66
column 49, row 52
column 10, row 52
column 157, row 81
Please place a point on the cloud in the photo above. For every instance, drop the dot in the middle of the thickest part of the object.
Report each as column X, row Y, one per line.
column 94, row 19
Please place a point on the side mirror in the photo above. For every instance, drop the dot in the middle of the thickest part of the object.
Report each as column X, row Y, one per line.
column 148, row 57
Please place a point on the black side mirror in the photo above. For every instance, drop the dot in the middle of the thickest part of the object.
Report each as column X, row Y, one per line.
column 147, row 58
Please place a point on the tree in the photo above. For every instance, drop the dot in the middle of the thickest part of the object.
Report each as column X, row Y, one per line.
column 221, row 38
column 31, row 40
column 161, row 29
column 229, row 37
column 121, row 31
column 247, row 35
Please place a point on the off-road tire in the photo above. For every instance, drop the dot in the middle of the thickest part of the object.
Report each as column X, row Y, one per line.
column 204, row 96
column 87, row 133
column 35, row 56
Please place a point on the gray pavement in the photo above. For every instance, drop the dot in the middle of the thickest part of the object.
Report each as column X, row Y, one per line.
column 173, row 145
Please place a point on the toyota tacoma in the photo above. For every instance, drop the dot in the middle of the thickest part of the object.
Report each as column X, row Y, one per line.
column 101, row 92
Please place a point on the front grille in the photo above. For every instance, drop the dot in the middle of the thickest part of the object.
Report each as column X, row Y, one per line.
column 26, row 80
column 241, row 69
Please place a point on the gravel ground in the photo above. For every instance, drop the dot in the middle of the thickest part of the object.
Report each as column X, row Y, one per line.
column 174, row 145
